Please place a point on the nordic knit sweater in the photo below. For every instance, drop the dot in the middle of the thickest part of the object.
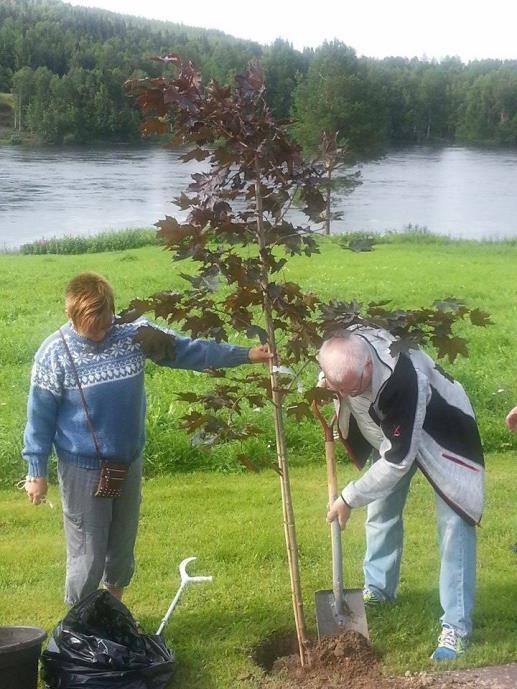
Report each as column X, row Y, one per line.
column 112, row 379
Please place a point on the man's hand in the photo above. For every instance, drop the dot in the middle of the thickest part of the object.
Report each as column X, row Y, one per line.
column 260, row 354
column 340, row 510
column 36, row 489
column 511, row 420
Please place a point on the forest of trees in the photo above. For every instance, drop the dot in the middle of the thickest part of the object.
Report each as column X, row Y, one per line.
column 65, row 67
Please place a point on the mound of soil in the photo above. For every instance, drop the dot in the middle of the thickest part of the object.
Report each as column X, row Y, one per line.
column 349, row 662
column 341, row 662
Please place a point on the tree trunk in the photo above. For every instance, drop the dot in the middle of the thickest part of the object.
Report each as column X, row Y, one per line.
column 281, row 449
column 328, row 199
column 18, row 114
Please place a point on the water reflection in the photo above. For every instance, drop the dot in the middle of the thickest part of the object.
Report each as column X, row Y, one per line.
column 52, row 192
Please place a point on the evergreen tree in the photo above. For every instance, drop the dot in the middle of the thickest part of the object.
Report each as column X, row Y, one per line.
column 372, row 103
column 334, row 97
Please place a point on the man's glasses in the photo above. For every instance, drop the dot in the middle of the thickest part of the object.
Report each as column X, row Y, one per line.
column 356, row 389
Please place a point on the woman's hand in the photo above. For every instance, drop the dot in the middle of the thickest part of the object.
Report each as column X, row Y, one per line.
column 36, row 489
column 339, row 510
column 260, row 354
column 511, row 420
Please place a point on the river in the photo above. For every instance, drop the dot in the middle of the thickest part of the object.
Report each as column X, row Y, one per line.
column 46, row 192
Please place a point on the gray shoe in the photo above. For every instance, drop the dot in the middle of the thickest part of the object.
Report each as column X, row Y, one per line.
column 371, row 598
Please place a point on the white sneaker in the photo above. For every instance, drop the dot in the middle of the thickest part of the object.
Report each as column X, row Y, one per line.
column 450, row 644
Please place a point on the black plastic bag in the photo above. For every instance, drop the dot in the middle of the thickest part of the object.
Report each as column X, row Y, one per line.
column 98, row 646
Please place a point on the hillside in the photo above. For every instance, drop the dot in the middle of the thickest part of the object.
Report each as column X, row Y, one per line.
column 67, row 66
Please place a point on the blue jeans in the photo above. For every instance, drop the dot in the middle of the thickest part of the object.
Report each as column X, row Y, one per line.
column 457, row 545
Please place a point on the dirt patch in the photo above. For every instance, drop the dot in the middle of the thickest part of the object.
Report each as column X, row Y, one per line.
column 276, row 646
column 495, row 677
column 348, row 661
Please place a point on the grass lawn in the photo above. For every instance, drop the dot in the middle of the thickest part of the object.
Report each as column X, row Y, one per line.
column 411, row 275
column 231, row 520
column 233, row 525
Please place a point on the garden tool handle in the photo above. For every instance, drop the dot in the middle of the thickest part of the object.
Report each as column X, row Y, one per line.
column 330, row 458
column 335, row 530
column 185, row 578
column 328, row 427
column 328, row 432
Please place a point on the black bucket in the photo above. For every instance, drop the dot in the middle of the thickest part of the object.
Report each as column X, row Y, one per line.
column 20, row 649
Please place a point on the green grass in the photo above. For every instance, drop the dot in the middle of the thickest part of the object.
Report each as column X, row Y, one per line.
column 232, row 522
column 417, row 234
column 234, row 526
column 120, row 240
column 31, row 306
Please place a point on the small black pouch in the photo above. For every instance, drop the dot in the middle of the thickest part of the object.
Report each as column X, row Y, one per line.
column 111, row 479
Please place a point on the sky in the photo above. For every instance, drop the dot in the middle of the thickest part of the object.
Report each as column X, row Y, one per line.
column 376, row 28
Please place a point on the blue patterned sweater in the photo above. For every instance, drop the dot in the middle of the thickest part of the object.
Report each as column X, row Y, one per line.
column 112, row 378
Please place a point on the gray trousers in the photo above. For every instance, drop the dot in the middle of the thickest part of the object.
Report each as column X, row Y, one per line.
column 100, row 533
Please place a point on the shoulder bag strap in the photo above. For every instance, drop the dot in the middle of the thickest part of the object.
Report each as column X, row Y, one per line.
column 88, row 419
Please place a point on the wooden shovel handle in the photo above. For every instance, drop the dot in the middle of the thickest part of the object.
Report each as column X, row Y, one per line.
column 328, row 431
column 328, row 426
column 335, row 531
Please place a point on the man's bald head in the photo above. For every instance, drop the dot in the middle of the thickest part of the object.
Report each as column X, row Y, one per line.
column 346, row 362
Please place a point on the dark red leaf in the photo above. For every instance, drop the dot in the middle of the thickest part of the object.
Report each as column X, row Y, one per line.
column 480, row 318
column 246, row 461
column 320, row 395
column 156, row 344
column 300, row 411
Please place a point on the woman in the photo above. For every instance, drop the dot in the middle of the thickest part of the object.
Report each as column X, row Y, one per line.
column 87, row 400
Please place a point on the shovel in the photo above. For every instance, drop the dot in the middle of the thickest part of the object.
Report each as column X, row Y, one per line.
column 340, row 609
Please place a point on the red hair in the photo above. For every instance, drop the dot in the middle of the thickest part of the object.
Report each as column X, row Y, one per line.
column 88, row 297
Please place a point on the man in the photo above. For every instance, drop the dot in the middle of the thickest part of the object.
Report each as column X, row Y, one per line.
column 87, row 401
column 415, row 416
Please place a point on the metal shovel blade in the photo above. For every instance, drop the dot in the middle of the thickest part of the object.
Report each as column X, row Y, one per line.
column 330, row 622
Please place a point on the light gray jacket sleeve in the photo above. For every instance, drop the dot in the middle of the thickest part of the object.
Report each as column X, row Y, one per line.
column 402, row 428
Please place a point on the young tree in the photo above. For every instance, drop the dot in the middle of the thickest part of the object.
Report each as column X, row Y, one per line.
column 334, row 160
column 238, row 233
